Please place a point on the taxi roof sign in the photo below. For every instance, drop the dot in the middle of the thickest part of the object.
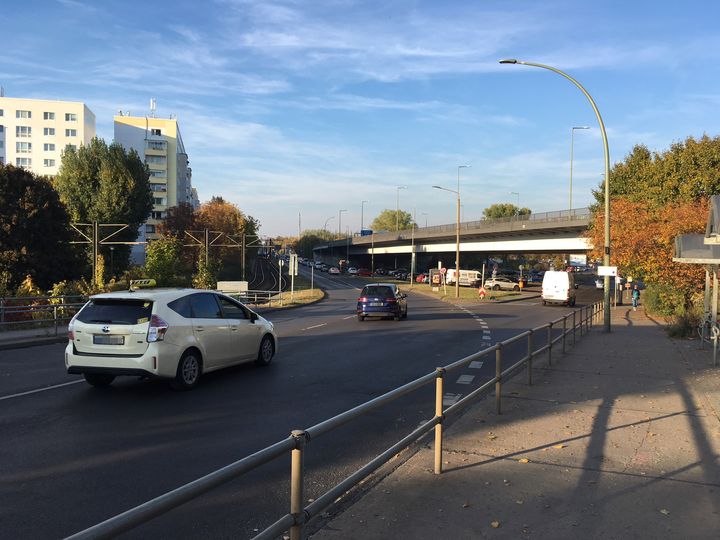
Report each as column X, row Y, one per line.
column 136, row 284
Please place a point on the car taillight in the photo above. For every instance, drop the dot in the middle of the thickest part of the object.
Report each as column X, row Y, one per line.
column 362, row 299
column 157, row 329
column 391, row 300
column 71, row 328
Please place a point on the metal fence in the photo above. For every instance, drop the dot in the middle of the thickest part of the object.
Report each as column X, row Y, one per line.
column 579, row 321
column 30, row 312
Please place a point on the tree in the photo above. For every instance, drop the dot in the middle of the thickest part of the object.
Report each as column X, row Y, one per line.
column 162, row 260
column 105, row 183
column 309, row 240
column 392, row 220
column 34, row 231
column 179, row 219
column 504, row 210
column 688, row 171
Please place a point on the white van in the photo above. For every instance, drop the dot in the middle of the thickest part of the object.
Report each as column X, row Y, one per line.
column 558, row 287
column 468, row 278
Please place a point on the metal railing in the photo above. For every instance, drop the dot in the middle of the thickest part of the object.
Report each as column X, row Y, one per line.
column 21, row 312
column 299, row 515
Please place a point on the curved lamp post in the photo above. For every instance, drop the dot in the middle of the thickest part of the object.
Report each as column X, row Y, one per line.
column 572, row 143
column 606, row 251
column 457, row 239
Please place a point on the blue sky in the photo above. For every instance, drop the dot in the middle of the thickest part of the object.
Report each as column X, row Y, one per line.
column 308, row 107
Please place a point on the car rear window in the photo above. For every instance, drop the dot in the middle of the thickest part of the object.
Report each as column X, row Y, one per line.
column 116, row 311
column 378, row 291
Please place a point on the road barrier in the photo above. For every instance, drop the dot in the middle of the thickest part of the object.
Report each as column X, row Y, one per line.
column 299, row 440
column 21, row 312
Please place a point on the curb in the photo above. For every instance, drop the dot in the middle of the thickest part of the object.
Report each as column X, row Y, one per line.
column 23, row 344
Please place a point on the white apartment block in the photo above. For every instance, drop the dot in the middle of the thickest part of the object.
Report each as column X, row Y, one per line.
column 160, row 146
column 35, row 132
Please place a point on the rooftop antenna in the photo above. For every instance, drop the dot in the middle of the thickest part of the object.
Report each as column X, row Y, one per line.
column 153, row 106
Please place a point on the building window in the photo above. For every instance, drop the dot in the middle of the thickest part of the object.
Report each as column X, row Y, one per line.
column 159, row 200
column 48, row 116
column 23, row 162
column 23, row 147
column 49, row 147
column 155, row 132
column 71, row 132
column 2, row 144
column 1, row 127
column 70, row 147
column 156, row 145
column 157, row 215
column 158, row 174
column 23, row 131
column 158, row 187
column 49, row 162
column 23, row 114
column 1, row 112
column 48, row 131
column 70, row 117
column 156, row 159
column 150, row 229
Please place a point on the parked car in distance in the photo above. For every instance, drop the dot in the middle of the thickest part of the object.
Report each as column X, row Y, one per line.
column 468, row 278
column 558, row 287
column 352, row 271
column 502, row 283
column 381, row 300
column 333, row 270
column 380, row 271
column 175, row 334
column 324, row 267
column 365, row 272
column 318, row 264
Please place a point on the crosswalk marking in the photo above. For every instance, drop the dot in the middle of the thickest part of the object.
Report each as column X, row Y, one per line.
column 450, row 399
column 465, row 379
column 475, row 364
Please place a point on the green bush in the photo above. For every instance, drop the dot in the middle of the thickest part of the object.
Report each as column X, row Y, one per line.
column 663, row 300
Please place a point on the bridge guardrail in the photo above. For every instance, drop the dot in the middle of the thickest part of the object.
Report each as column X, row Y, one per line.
column 20, row 312
column 299, row 515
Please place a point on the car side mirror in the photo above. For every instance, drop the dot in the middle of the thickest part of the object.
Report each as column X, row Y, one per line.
column 253, row 316
column 403, row 295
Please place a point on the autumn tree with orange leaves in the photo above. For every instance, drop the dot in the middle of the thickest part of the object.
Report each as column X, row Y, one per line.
column 656, row 196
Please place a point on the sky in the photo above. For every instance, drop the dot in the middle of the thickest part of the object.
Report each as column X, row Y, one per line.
column 297, row 111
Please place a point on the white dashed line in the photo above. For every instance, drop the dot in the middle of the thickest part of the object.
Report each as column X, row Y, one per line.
column 316, row 326
column 487, row 338
column 465, row 379
column 475, row 365
column 451, row 399
column 350, row 317
column 41, row 389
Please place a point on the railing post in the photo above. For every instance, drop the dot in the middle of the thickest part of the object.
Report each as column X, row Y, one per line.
column 440, row 372
column 530, row 357
column 564, row 332
column 574, row 327
column 55, row 320
column 296, row 483
column 549, row 343
column 498, row 377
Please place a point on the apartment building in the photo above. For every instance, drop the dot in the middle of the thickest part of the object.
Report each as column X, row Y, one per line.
column 35, row 132
column 160, row 146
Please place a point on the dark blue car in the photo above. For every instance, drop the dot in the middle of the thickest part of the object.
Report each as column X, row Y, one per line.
column 382, row 300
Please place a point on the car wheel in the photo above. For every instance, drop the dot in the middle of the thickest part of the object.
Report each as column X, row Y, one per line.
column 544, row 303
column 98, row 379
column 188, row 371
column 397, row 317
column 496, row 287
column 572, row 302
column 405, row 315
column 361, row 318
column 267, row 351
column 516, row 288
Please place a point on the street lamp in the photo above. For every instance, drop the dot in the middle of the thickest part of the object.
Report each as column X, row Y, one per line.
column 606, row 151
column 457, row 240
column 340, row 221
column 426, row 215
column 326, row 222
column 572, row 142
column 397, row 208
column 517, row 212
column 362, row 213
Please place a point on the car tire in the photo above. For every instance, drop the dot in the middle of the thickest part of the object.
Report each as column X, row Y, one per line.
column 404, row 316
column 397, row 317
column 572, row 302
column 98, row 379
column 496, row 287
column 266, row 352
column 188, row 371
column 516, row 288
column 544, row 303
column 361, row 318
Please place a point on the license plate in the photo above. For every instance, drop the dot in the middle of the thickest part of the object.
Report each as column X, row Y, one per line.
column 375, row 304
column 108, row 340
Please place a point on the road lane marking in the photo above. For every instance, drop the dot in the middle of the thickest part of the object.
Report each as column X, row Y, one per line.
column 487, row 338
column 350, row 317
column 465, row 379
column 475, row 365
column 316, row 326
column 40, row 389
column 450, row 399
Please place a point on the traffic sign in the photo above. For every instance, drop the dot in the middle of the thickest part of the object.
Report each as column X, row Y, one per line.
column 482, row 292
column 443, row 270
column 607, row 270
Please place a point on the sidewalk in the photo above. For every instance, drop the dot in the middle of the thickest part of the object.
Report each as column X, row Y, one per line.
column 618, row 439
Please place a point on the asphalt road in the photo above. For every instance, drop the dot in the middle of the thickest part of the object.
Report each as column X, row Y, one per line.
column 72, row 455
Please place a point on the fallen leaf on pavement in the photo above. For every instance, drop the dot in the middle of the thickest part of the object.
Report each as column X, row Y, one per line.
column 524, row 460
column 560, row 446
column 466, row 504
column 495, row 524
column 492, row 437
column 665, row 512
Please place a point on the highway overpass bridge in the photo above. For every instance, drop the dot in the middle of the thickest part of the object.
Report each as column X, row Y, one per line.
column 559, row 233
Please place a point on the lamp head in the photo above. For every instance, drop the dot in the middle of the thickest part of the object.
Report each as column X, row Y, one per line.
column 509, row 61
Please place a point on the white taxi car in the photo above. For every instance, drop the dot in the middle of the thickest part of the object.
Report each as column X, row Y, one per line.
column 177, row 334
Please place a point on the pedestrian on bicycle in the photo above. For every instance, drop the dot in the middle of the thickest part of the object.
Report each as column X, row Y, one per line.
column 635, row 297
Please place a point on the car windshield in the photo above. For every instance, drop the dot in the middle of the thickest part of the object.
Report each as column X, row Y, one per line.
column 116, row 311
column 378, row 291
